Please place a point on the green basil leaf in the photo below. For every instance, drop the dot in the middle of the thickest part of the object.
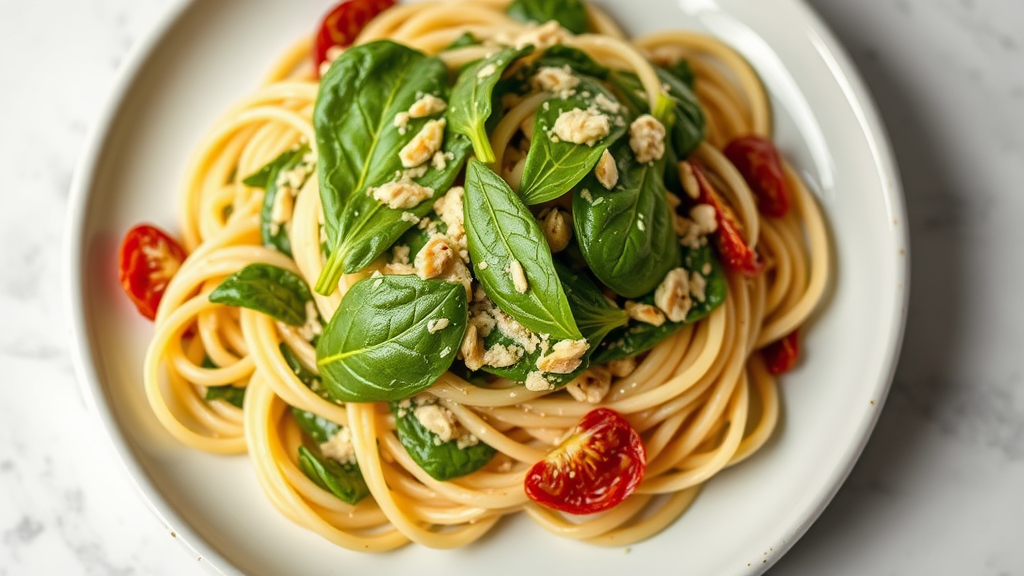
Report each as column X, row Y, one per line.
column 626, row 233
column 553, row 168
column 343, row 480
column 359, row 145
column 442, row 460
column 230, row 394
column 379, row 345
column 560, row 55
column 571, row 14
column 273, row 291
column 471, row 101
column 274, row 235
column 639, row 337
column 500, row 230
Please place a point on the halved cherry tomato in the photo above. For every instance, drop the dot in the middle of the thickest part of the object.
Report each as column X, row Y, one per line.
column 343, row 23
column 735, row 253
column 596, row 468
column 780, row 356
column 759, row 162
column 148, row 260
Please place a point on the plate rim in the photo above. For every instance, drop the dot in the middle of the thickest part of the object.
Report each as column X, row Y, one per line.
column 843, row 70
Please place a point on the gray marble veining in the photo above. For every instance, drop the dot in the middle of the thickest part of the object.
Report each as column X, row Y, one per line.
column 938, row 489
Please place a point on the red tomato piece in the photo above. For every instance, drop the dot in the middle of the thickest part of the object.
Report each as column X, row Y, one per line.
column 149, row 259
column 343, row 23
column 781, row 355
column 735, row 253
column 595, row 469
column 758, row 160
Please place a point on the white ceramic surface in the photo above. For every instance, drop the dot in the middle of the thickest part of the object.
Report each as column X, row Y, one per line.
column 210, row 54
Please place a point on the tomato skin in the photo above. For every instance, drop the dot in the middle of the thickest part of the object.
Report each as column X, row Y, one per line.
column 780, row 356
column 760, row 163
column 343, row 23
column 595, row 469
column 736, row 255
column 148, row 260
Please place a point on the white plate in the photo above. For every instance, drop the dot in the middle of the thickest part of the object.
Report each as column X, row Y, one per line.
column 207, row 55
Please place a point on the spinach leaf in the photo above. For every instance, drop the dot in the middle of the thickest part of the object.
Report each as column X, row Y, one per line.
column 273, row 291
column 442, row 460
column 594, row 314
column 359, row 144
column 230, row 394
column 343, row 480
column 502, row 233
column 305, row 375
column 571, row 14
column 639, row 337
column 467, row 39
column 471, row 101
column 318, row 428
column 687, row 124
column 379, row 345
column 626, row 233
column 561, row 55
column 274, row 234
column 553, row 168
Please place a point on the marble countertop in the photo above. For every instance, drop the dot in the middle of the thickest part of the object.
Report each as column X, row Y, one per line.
column 940, row 487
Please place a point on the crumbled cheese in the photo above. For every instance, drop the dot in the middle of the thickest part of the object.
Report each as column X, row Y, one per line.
column 398, row 269
column 501, row 356
column 402, row 121
column 466, row 440
column 689, row 180
column 438, row 420
column 565, row 356
column 340, row 448
column 472, row 349
column 644, row 313
column 698, row 286
column 428, row 105
column 410, row 217
column 435, row 258
column 282, row 209
column 414, row 173
column 607, row 171
column 542, row 37
column 400, row 254
column 581, row 126
column 486, row 71
column 449, row 208
column 591, row 386
column 436, row 325
column 482, row 265
column 536, row 382
column 439, row 161
column 623, row 367
column 647, row 139
column 312, row 328
column 485, row 317
column 560, row 81
column 424, row 144
column 692, row 231
column 518, row 276
column 706, row 268
column 401, row 195
column 607, row 104
column 673, row 295
column 585, row 194
column 557, row 229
